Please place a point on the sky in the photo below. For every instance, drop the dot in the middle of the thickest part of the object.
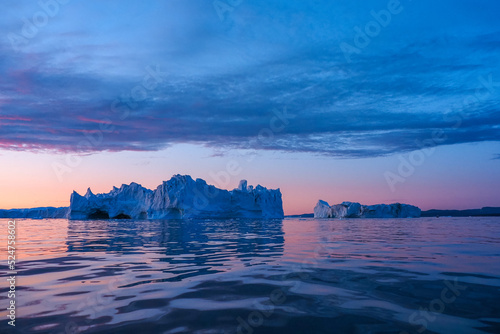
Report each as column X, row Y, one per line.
column 368, row 101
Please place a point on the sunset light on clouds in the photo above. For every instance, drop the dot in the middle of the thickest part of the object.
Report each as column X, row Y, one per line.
column 250, row 166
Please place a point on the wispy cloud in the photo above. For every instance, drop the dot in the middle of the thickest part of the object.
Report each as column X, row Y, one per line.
column 222, row 81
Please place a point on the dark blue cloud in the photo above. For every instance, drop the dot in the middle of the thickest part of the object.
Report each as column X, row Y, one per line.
column 76, row 85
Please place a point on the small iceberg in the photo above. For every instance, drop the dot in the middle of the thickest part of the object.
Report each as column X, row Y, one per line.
column 356, row 210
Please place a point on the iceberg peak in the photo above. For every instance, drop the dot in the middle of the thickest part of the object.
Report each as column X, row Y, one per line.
column 89, row 193
column 243, row 185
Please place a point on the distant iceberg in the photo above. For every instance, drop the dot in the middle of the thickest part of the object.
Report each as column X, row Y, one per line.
column 179, row 197
column 356, row 210
column 36, row 213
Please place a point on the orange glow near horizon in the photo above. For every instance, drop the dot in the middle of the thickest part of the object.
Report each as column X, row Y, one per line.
column 29, row 180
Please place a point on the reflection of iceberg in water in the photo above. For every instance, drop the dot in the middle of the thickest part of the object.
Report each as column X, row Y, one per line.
column 179, row 242
column 176, row 276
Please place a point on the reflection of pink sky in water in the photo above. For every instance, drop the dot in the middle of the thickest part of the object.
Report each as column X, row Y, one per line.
column 103, row 269
column 94, row 268
column 406, row 244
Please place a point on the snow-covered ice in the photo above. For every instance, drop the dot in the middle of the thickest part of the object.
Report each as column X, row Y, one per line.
column 179, row 197
column 356, row 210
column 37, row 213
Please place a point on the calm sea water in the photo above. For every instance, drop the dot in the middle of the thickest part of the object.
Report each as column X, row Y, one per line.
column 284, row 276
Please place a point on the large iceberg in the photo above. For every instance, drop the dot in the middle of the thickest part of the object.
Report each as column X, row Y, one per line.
column 356, row 210
column 179, row 197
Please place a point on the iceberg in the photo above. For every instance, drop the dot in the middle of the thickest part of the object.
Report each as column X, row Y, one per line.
column 36, row 213
column 179, row 197
column 356, row 210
